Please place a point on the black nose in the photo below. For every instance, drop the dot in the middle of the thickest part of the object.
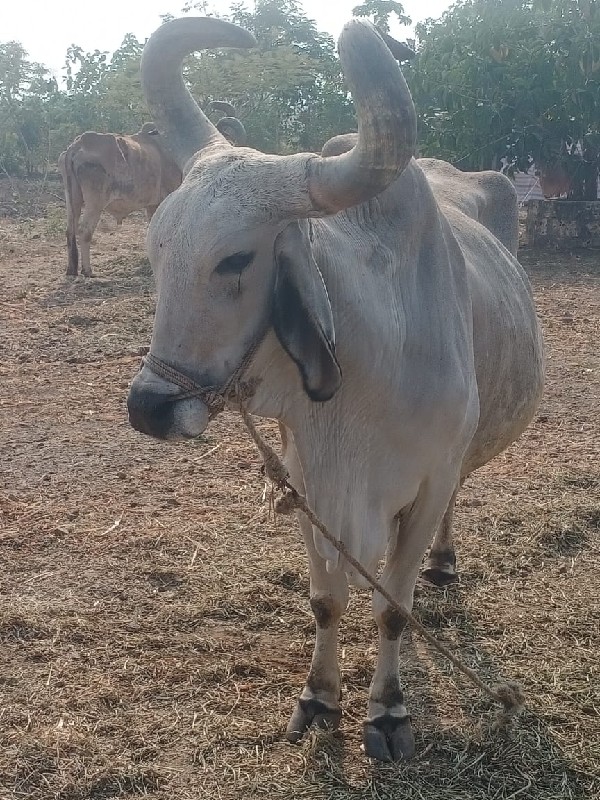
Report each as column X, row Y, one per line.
column 149, row 412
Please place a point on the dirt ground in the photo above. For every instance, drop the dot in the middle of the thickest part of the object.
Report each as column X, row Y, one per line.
column 154, row 618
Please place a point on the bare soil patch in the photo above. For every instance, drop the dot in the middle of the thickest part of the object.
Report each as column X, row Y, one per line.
column 154, row 618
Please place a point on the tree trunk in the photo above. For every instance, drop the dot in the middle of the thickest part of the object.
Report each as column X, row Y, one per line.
column 590, row 183
column 591, row 160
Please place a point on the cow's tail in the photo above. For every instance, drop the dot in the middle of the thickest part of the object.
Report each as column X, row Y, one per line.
column 74, row 201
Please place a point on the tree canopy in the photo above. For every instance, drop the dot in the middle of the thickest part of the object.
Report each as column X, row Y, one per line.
column 517, row 80
column 495, row 82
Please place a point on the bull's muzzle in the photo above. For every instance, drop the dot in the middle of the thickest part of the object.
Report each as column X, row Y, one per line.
column 156, row 410
column 150, row 413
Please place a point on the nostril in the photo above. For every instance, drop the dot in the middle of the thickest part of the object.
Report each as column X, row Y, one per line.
column 150, row 413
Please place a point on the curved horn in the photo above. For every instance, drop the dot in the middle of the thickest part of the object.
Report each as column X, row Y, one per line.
column 176, row 113
column 339, row 144
column 223, row 106
column 387, row 125
column 400, row 51
column 346, row 141
column 233, row 130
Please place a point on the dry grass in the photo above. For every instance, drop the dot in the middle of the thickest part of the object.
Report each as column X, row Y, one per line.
column 154, row 621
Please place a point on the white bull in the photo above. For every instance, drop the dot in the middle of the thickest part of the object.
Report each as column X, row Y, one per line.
column 371, row 305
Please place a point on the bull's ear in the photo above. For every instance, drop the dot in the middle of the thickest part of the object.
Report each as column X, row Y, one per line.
column 302, row 315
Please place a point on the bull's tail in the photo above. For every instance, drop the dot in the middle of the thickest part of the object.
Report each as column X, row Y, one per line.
column 74, row 201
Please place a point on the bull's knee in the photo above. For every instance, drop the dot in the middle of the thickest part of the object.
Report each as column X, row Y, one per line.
column 390, row 623
column 327, row 611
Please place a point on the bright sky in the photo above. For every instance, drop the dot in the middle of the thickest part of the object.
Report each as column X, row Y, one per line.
column 47, row 27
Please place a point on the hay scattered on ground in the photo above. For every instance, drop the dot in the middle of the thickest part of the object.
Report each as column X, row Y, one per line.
column 154, row 619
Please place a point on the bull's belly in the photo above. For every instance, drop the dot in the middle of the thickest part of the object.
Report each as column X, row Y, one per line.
column 507, row 405
column 508, row 351
column 121, row 208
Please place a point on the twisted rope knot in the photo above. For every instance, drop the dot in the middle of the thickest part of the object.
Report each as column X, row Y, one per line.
column 512, row 697
column 286, row 504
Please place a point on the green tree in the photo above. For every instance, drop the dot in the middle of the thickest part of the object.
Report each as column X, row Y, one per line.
column 380, row 11
column 25, row 90
column 514, row 79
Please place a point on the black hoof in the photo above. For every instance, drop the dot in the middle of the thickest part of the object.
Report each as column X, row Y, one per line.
column 389, row 738
column 440, row 576
column 312, row 712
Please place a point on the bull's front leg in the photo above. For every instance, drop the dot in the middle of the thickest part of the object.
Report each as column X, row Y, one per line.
column 319, row 702
column 388, row 732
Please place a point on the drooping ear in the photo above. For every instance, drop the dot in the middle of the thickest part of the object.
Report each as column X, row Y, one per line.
column 302, row 315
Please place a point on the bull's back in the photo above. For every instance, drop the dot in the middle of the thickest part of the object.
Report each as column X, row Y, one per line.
column 488, row 197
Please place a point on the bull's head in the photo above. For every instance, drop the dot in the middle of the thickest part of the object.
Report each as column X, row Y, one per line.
column 230, row 249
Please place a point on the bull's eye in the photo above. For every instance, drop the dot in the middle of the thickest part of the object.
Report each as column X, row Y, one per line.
column 235, row 264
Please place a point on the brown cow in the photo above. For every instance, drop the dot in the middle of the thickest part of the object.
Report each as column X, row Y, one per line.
column 554, row 180
column 576, row 179
column 118, row 174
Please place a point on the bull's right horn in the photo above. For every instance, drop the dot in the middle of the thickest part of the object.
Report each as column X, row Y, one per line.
column 387, row 126
column 177, row 115
column 346, row 141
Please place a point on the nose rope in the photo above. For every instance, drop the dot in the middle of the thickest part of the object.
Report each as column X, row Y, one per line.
column 213, row 397
column 210, row 395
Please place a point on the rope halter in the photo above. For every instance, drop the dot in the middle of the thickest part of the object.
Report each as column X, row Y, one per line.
column 215, row 398
column 211, row 397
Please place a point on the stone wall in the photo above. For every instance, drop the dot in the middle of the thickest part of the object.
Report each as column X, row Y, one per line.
column 562, row 224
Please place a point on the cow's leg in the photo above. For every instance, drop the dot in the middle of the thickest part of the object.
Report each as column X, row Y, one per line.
column 387, row 731
column 74, row 201
column 72, row 252
column 440, row 566
column 89, row 221
column 319, row 702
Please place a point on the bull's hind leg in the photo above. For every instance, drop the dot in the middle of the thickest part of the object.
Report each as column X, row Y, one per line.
column 440, row 566
column 72, row 252
column 319, row 702
column 387, row 731
column 89, row 221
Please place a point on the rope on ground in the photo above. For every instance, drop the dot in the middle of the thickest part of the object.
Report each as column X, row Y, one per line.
column 509, row 695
